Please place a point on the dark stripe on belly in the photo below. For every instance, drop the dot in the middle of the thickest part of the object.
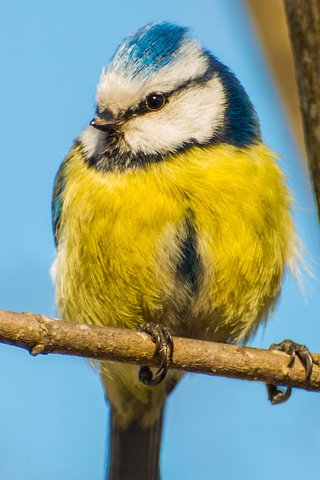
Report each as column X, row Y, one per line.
column 189, row 266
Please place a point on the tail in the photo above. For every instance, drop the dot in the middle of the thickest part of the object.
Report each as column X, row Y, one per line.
column 135, row 452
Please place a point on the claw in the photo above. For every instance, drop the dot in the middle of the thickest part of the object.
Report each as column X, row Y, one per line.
column 277, row 396
column 161, row 336
column 293, row 349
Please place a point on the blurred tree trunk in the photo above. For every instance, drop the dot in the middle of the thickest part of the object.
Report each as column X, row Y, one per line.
column 269, row 18
column 303, row 18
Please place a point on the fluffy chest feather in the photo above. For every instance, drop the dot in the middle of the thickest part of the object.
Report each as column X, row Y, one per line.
column 200, row 239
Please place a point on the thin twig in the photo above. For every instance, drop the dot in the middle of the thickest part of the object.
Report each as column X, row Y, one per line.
column 40, row 335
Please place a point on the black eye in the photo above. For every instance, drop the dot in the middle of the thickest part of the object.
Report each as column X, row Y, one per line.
column 155, row 101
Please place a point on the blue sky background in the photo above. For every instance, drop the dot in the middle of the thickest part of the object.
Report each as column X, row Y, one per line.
column 53, row 418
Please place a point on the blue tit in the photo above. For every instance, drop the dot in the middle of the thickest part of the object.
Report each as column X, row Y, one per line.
column 168, row 209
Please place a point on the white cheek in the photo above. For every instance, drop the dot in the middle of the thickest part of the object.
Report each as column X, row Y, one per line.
column 91, row 140
column 195, row 113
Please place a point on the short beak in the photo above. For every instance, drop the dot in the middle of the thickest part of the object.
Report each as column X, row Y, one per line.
column 105, row 121
column 103, row 124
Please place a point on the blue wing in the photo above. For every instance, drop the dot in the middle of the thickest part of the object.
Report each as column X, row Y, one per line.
column 57, row 200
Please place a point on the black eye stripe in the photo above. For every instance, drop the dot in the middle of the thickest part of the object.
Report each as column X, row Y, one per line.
column 142, row 109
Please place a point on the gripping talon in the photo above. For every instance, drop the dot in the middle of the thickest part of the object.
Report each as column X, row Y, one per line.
column 161, row 336
column 277, row 396
column 293, row 349
column 306, row 359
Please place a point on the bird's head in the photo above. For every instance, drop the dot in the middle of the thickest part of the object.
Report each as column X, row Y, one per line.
column 162, row 93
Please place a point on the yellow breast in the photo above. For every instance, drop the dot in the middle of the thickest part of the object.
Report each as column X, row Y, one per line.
column 198, row 241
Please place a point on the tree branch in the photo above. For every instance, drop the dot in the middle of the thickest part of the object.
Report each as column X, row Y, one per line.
column 40, row 335
column 304, row 25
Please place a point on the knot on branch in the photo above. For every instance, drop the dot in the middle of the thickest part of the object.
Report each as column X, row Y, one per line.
column 44, row 344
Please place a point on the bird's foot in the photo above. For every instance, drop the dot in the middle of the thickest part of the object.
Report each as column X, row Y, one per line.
column 293, row 349
column 161, row 336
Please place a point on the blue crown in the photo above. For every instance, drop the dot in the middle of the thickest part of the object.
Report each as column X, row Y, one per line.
column 150, row 48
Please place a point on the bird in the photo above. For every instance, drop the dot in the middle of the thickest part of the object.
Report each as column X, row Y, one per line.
column 170, row 215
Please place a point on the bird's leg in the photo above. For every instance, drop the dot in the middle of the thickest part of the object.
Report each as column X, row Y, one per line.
column 293, row 349
column 161, row 336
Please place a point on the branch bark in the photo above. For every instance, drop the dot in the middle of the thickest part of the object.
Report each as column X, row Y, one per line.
column 304, row 26
column 41, row 335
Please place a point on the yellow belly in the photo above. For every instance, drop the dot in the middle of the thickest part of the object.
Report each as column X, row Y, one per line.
column 123, row 237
